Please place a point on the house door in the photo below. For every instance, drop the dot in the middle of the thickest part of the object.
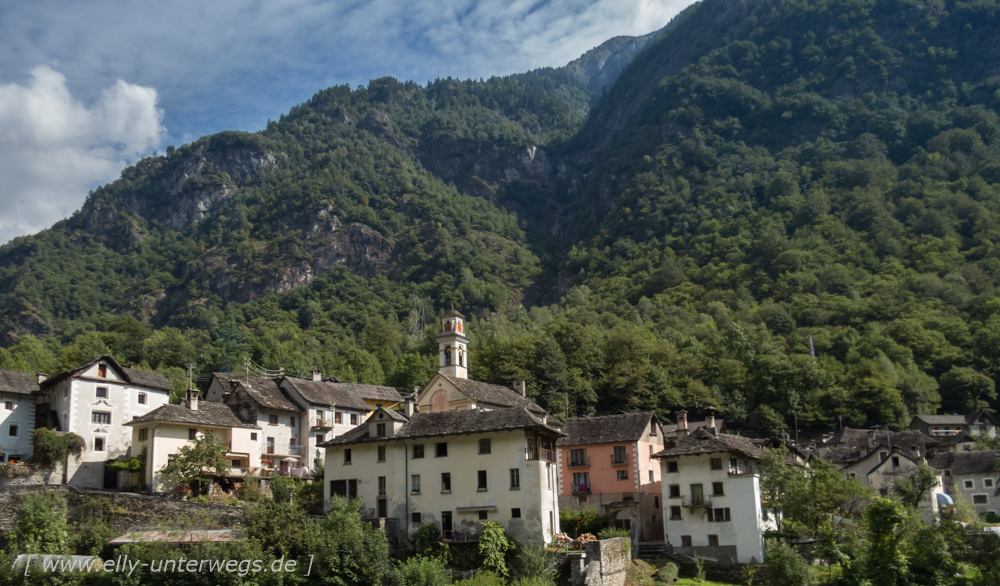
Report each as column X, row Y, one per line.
column 110, row 478
column 697, row 494
column 383, row 508
column 446, row 524
column 352, row 488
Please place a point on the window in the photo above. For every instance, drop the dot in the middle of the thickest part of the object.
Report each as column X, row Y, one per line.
column 988, row 483
column 970, row 484
column 102, row 417
column 483, row 516
column 291, row 421
column 320, row 438
column 102, row 370
column 347, row 456
column 253, row 437
column 652, row 429
column 8, row 405
column 716, row 463
column 515, row 513
column 338, row 418
column 895, row 461
column 675, row 513
column 272, row 420
column 718, row 515
column 581, row 482
column 415, row 483
column 381, row 485
column 415, row 518
column 651, row 478
column 619, row 455
column 980, row 499
column 102, row 392
column 381, row 453
column 883, row 456
column 142, row 398
column 713, row 541
column 270, row 445
column 380, row 429
column 484, row 446
column 354, row 418
column 671, row 466
column 515, row 478
column 623, row 475
column 482, row 481
column 883, row 492
column 685, row 541
column 675, row 491
column 581, row 500
column 13, row 430
column 418, row 451
column 446, row 482
column 852, row 475
column 143, row 434
column 578, row 457
column 98, row 444
column 441, row 450
column 656, row 502
column 717, row 489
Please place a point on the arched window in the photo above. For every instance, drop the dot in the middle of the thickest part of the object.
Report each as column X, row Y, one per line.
column 447, row 356
column 461, row 358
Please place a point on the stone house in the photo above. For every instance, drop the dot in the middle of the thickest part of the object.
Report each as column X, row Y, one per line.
column 96, row 401
column 17, row 415
column 607, row 462
column 972, row 474
column 979, row 423
column 329, row 408
column 454, row 469
column 162, row 432
column 711, row 495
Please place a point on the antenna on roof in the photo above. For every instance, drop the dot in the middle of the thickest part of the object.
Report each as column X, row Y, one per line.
column 190, row 376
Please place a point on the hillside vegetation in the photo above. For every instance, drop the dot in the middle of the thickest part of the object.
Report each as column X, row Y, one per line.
column 765, row 181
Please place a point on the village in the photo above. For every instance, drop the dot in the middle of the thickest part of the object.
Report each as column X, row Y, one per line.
column 461, row 453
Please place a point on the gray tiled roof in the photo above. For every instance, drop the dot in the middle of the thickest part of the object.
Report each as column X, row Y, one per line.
column 216, row 414
column 263, row 391
column 941, row 419
column 856, row 444
column 372, row 392
column 703, row 442
column 455, row 422
column 326, row 393
column 15, row 381
column 966, row 462
column 491, row 394
column 670, row 430
column 601, row 430
column 139, row 378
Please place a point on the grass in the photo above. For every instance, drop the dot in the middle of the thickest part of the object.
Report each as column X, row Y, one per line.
column 690, row 581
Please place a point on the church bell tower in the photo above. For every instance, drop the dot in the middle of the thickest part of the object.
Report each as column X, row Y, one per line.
column 453, row 346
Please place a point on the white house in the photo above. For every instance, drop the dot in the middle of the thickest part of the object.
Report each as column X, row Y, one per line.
column 972, row 474
column 17, row 415
column 711, row 496
column 330, row 409
column 978, row 423
column 96, row 401
column 260, row 401
column 454, row 468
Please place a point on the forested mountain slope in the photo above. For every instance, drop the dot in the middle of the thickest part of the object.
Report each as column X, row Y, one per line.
column 763, row 177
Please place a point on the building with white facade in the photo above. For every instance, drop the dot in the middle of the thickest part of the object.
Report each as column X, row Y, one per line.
column 455, row 469
column 17, row 415
column 330, row 409
column 974, row 475
column 978, row 423
column 96, row 401
column 711, row 495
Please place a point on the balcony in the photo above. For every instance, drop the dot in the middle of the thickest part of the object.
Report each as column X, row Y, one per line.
column 579, row 462
column 739, row 467
column 449, row 536
column 540, row 454
column 581, row 489
column 282, row 450
column 693, row 502
column 322, row 424
column 615, row 461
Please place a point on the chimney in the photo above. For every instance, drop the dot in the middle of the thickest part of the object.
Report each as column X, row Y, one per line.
column 521, row 387
column 41, row 377
column 317, row 375
column 710, row 420
column 408, row 407
column 682, row 424
column 193, row 399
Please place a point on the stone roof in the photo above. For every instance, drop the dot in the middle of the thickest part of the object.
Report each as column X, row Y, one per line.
column 341, row 395
column 627, row 427
column 455, row 422
column 15, row 381
column 702, row 442
column 371, row 392
column 138, row 378
column 490, row 394
column 263, row 391
column 857, row 444
column 670, row 430
column 941, row 419
column 214, row 414
column 966, row 462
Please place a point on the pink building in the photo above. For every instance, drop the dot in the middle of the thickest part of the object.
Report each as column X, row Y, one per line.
column 605, row 462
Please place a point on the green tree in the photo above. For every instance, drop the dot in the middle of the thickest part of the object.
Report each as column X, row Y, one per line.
column 885, row 559
column 786, row 566
column 206, row 454
column 493, row 547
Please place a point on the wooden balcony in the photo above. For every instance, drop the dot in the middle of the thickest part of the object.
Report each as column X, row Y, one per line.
column 322, row 424
column 540, row 454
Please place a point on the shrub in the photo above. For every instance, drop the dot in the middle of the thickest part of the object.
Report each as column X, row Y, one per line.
column 493, row 546
column 668, row 573
column 52, row 447
column 40, row 525
column 423, row 571
column 533, row 581
column 786, row 565
column 425, row 537
column 534, row 562
column 483, row 579
column 282, row 489
column 991, row 518
column 250, row 491
column 612, row 532
column 585, row 520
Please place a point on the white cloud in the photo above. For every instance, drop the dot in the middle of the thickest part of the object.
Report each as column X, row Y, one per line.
column 53, row 148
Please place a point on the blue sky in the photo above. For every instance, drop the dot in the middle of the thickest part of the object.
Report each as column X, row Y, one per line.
column 88, row 87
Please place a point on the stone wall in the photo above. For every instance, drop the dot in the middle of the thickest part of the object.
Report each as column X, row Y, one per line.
column 726, row 573
column 133, row 512
column 604, row 563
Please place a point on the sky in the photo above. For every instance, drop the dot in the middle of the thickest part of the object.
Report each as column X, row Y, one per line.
column 86, row 88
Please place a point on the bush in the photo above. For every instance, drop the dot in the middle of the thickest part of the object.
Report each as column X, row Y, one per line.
column 612, row 532
column 585, row 520
column 991, row 518
column 668, row 573
column 282, row 489
column 493, row 546
column 51, row 448
column 425, row 537
column 250, row 492
column 423, row 571
column 786, row 565
column 40, row 525
column 534, row 562
column 533, row 581
column 483, row 579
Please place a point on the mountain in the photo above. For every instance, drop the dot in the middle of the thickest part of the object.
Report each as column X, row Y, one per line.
column 786, row 209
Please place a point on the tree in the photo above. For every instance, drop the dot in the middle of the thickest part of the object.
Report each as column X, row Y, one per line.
column 786, row 566
column 913, row 488
column 40, row 525
column 885, row 561
column 966, row 389
column 776, row 477
column 493, row 547
column 205, row 454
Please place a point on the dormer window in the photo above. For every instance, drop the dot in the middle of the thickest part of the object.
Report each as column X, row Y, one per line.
column 102, row 370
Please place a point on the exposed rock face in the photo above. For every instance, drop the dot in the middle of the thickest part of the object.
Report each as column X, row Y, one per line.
column 601, row 66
